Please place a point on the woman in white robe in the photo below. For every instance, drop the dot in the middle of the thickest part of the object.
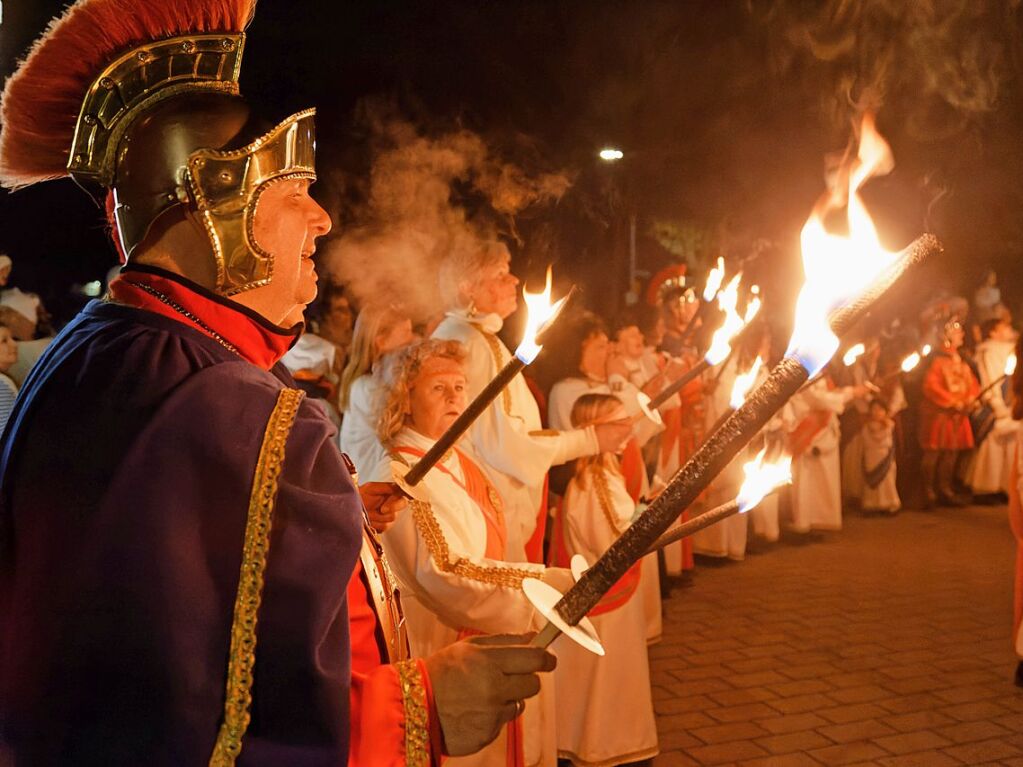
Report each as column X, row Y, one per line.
column 605, row 710
column 988, row 469
column 726, row 538
column 378, row 331
column 811, row 419
column 449, row 553
column 515, row 450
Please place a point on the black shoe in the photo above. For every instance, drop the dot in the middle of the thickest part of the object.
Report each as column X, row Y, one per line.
column 1019, row 674
column 951, row 501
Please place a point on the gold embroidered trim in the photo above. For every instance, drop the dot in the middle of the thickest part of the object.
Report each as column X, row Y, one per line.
column 604, row 497
column 545, row 433
column 429, row 528
column 499, row 360
column 242, row 656
column 417, row 715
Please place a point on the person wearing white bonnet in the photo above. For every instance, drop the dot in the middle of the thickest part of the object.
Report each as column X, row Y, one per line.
column 23, row 326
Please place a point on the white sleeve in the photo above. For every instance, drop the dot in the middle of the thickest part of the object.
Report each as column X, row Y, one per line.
column 463, row 590
column 819, row 397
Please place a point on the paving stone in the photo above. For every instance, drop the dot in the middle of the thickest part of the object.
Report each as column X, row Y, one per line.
column 806, row 740
column 865, row 730
column 907, row 742
column 983, row 751
column 966, row 732
column 743, row 713
column 724, row 733
column 847, row 753
column 779, row 725
column 918, row 720
column 864, row 694
column 852, row 713
column 801, row 703
column 737, row 697
column 920, row 759
column 782, row 760
column 727, row 753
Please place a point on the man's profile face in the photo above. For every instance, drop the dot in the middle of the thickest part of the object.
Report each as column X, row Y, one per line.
column 286, row 224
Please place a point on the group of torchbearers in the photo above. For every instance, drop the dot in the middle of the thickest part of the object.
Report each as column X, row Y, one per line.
column 190, row 569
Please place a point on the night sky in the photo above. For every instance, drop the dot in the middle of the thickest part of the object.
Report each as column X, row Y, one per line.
column 725, row 109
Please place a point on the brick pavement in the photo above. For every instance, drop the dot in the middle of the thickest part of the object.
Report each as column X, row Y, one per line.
column 885, row 644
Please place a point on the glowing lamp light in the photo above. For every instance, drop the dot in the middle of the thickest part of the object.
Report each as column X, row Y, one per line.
column 837, row 268
column 852, row 354
column 610, row 154
column 762, row 478
column 714, row 280
column 540, row 312
column 1010, row 365
column 721, row 341
column 743, row 383
column 910, row 362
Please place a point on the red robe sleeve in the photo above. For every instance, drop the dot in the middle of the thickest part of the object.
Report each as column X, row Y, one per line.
column 934, row 385
column 393, row 716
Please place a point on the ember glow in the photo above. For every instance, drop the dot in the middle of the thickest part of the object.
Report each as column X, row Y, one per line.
column 714, row 280
column 762, row 478
column 743, row 383
column 1010, row 365
column 910, row 362
column 539, row 313
column 721, row 341
column 852, row 354
column 837, row 268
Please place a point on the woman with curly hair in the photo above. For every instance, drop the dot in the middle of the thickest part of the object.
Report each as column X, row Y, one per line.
column 451, row 554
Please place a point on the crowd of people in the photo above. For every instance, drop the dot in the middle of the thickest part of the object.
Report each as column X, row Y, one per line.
column 198, row 566
column 919, row 413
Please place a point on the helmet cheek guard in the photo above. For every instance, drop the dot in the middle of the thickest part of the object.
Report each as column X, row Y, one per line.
column 225, row 187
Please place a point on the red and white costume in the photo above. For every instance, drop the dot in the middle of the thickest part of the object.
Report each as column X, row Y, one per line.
column 811, row 419
column 605, row 711
column 458, row 578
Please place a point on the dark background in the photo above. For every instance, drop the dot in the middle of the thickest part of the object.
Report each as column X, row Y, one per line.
column 725, row 110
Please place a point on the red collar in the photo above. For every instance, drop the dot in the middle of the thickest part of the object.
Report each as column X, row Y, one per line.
column 239, row 329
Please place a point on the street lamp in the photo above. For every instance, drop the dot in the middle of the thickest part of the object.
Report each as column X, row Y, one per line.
column 610, row 154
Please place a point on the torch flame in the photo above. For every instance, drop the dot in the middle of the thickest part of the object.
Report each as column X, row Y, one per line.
column 762, row 478
column 926, row 350
column 539, row 312
column 852, row 354
column 910, row 362
column 837, row 268
column 721, row 341
column 743, row 383
column 714, row 279
column 1010, row 365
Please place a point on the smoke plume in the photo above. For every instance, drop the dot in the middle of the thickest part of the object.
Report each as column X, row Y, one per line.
column 426, row 196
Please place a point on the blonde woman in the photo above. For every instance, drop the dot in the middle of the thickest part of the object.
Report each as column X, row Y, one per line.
column 605, row 711
column 451, row 554
column 378, row 331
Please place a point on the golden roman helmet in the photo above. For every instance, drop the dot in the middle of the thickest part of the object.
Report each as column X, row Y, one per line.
column 150, row 119
column 161, row 127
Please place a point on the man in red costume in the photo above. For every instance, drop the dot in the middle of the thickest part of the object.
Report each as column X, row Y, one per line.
column 180, row 569
column 949, row 388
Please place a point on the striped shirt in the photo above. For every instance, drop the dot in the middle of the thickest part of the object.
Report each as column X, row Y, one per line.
column 8, row 391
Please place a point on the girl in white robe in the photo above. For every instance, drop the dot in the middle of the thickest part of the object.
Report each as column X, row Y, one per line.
column 378, row 331
column 605, row 710
column 877, row 450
